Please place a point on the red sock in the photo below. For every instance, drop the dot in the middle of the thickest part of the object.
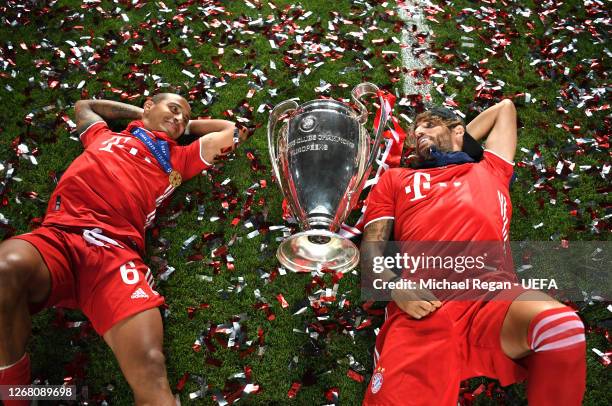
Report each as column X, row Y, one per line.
column 17, row 374
column 557, row 366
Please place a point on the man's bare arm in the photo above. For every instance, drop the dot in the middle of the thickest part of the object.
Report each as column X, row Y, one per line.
column 378, row 230
column 417, row 303
column 216, row 137
column 498, row 124
column 373, row 244
column 88, row 112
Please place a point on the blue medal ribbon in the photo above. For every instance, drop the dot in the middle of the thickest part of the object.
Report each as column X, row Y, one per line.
column 158, row 148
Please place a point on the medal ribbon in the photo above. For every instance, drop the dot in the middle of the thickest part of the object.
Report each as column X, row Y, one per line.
column 159, row 148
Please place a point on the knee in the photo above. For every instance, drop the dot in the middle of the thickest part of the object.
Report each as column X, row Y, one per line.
column 523, row 314
column 529, row 305
column 154, row 363
column 508, row 105
column 14, row 273
column 150, row 385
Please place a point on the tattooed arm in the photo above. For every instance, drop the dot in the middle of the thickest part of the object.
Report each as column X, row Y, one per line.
column 373, row 243
column 417, row 303
column 90, row 111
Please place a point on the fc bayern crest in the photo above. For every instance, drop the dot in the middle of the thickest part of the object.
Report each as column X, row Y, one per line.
column 377, row 381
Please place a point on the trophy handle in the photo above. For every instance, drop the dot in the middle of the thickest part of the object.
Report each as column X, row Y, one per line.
column 358, row 92
column 276, row 114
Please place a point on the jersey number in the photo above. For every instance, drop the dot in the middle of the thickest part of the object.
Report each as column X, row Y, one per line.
column 129, row 274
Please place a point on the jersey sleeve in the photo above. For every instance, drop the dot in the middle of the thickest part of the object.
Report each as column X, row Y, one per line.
column 381, row 200
column 93, row 131
column 189, row 160
column 501, row 168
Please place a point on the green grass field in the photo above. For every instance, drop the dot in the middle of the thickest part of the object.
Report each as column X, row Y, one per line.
column 236, row 60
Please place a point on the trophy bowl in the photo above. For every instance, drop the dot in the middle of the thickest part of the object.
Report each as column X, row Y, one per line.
column 321, row 155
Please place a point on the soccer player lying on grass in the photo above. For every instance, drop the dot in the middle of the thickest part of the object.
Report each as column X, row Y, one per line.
column 88, row 252
column 427, row 346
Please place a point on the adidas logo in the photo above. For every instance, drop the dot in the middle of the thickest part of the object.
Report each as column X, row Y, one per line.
column 139, row 294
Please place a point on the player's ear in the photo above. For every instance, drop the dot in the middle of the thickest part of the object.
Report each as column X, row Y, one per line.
column 148, row 105
column 457, row 136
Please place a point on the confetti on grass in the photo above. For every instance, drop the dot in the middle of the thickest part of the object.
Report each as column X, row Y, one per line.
column 260, row 54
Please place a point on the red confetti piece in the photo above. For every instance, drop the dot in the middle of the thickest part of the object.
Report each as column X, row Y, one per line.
column 293, row 391
column 260, row 336
column 332, row 394
column 282, row 301
column 337, row 277
column 181, row 383
column 355, row 376
column 221, row 251
column 364, row 324
column 266, row 308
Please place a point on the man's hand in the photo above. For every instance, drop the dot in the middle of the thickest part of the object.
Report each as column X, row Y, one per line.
column 217, row 137
column 417, row 303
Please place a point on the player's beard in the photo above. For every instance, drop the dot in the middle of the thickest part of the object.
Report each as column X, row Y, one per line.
column 443, row 143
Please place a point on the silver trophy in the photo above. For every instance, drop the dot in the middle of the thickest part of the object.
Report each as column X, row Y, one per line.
column 322, row 154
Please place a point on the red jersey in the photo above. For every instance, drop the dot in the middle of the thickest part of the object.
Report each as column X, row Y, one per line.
column 116, row 184
column 467, row 202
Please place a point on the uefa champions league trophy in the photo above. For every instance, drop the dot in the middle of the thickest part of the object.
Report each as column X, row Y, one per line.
column 322, row 154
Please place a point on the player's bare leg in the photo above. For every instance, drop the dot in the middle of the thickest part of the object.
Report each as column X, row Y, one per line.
column 24, row 278
column 548, row 338
column 137, row 344
column 514, row 338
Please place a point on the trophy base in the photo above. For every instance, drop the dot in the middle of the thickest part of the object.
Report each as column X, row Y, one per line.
column 317, row 249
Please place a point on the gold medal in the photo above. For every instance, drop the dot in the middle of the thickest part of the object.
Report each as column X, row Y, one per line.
column 175, row 178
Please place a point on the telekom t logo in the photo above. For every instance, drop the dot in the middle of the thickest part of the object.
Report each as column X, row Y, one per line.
column 417, row 184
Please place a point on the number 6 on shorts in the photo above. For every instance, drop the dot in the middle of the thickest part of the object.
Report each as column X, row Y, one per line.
column 129, row 274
